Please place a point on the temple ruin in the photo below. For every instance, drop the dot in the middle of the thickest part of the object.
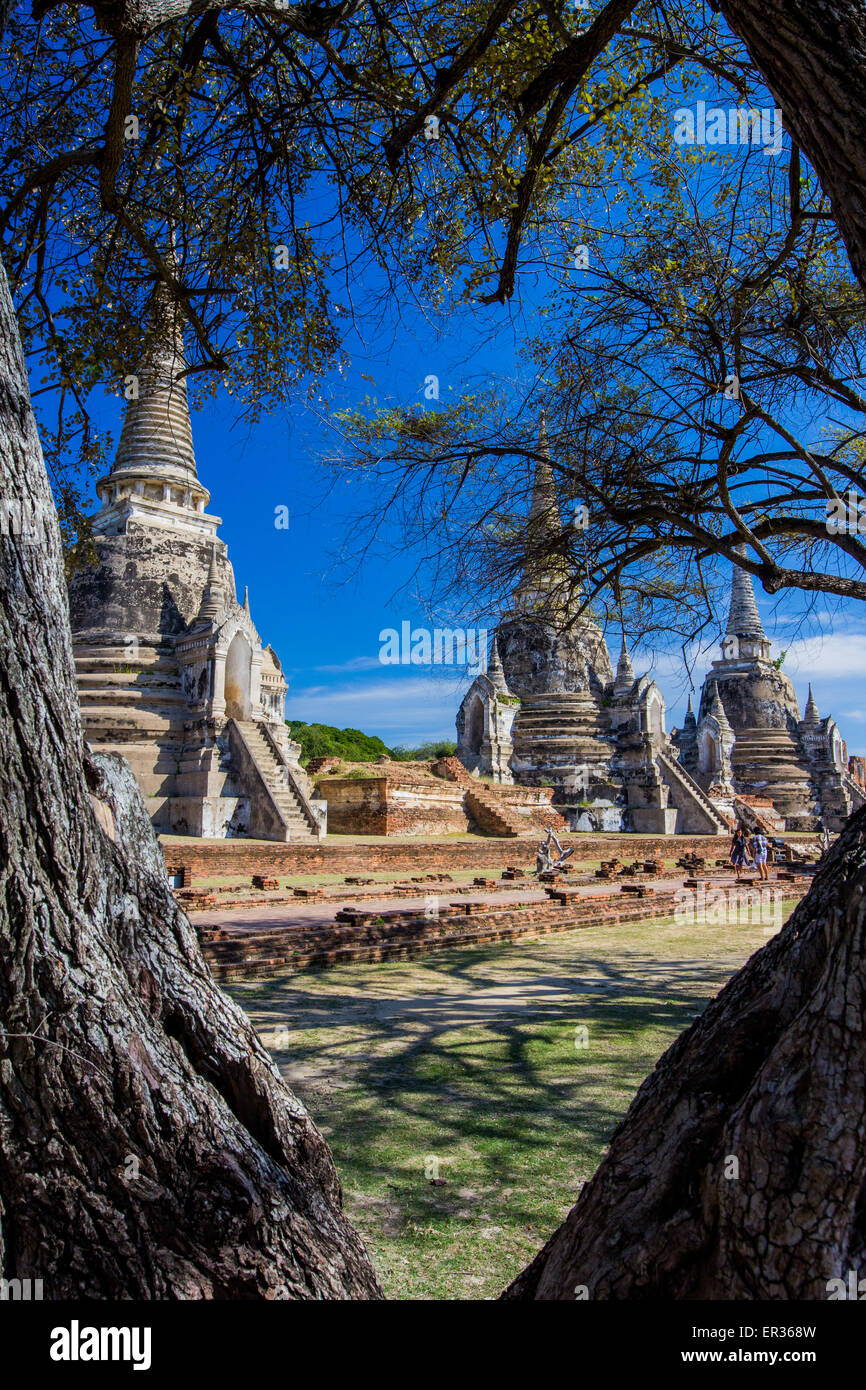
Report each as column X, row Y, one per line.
column 172, row 673
column 749, row 743
column 551, row 710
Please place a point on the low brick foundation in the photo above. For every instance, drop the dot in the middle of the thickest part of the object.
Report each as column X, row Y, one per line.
column 407, row 799
column 241, row 858
column 402, row 934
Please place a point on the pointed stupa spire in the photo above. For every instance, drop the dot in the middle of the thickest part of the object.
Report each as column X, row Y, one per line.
column 246, row 598
column 717, row 709
column 624, row 671
column 690, row 714
column 743, row 617
column 545, row 569
column 495, row 673
column 212, row 599
column 811, row 715
column 544, row 507
column 156, row 438
column 153, row 479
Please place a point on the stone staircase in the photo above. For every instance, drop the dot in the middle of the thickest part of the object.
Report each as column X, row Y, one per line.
column 761, row 814
column 686, row 790
column 287, row 798
column 133, row 703
column 854, row 790
column 482, row 803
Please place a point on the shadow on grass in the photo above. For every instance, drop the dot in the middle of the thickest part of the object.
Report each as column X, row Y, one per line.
column 488, row 1070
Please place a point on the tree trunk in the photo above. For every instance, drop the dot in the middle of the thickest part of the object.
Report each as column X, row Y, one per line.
column 812, row 55
column 148, row 1147
column 773, row 1076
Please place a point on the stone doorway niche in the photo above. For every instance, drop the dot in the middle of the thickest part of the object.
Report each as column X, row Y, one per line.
column 656, row 720
column 475, row 727
column 709, row 760
column 238, row 674
column 838, row 755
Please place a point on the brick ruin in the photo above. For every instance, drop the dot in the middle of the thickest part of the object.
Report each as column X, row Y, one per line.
column 427, row 798
column 243, row 858
column 378, row 901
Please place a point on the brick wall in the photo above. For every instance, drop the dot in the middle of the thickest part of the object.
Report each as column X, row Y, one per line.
column 406, row 799
column 242, row 858
column 434, row 808
column 356, row 806
column 401, row 805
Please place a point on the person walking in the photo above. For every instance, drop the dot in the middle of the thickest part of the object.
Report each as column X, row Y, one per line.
column 759, row 848
column 739, row 850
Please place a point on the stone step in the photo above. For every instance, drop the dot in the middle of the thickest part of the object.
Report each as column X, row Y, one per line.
column 283, row 796
column 121, row 668
column 125, row 698
column 146, row 722
column 120, row 656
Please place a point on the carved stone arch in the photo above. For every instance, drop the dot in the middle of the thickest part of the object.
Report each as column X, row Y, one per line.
column 475, row 725
column 836, row 746
column 709, row 757
column 655, row 713
column 238, row 679
column 235, row 619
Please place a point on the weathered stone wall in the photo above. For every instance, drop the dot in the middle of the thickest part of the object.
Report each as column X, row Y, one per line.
column 389, row 806
column 146, row 583
column 759, row 697
column 536, row 658
column 356, row 806
column 436, row 809
column 533, row 802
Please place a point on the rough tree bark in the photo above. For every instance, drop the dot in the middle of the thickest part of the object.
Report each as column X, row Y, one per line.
column 812, row 55
column 773, row 1074
column 148, row 1147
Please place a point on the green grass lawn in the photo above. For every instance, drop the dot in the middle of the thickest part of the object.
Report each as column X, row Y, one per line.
column 467, row 1095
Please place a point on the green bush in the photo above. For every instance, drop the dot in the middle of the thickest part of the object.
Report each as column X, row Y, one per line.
column 324, row 741
column 353, row 746
column 425, row 752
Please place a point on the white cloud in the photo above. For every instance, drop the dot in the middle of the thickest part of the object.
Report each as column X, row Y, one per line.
column 411, row 708
column 355, row 663
column 834, row 657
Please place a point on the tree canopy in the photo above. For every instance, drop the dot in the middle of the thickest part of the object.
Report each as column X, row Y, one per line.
column 285, row 170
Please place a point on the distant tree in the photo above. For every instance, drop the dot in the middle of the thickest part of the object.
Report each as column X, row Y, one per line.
column 326, row 741
column 424, row 751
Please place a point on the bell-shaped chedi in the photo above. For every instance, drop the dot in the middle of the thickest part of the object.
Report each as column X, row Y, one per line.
column 800, row 766
column 172, row 673
column 550, row 713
